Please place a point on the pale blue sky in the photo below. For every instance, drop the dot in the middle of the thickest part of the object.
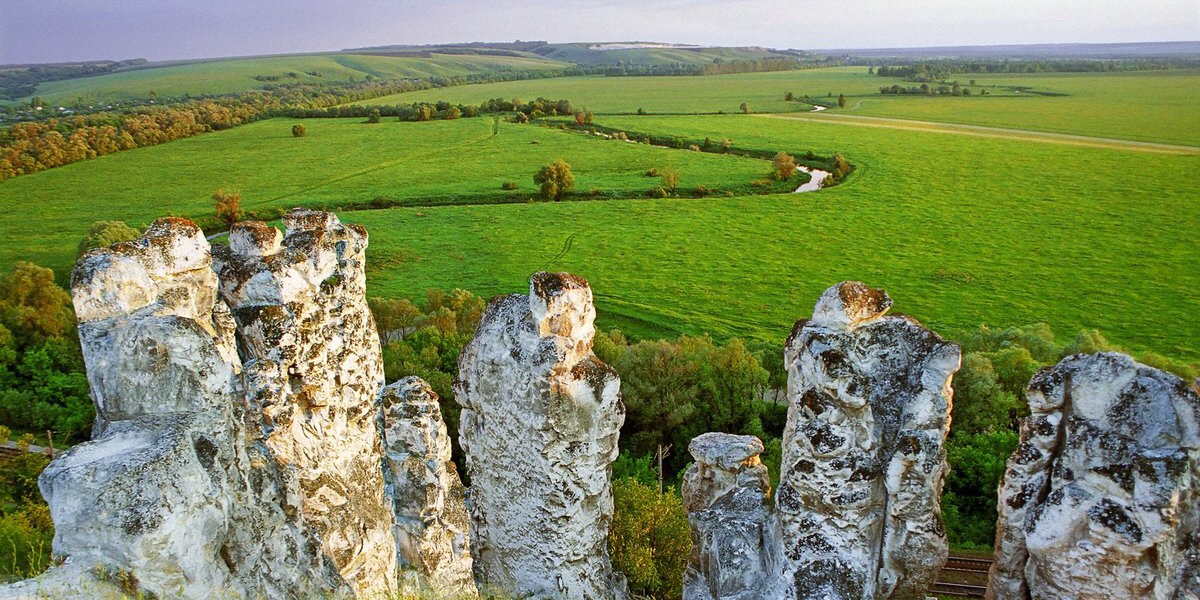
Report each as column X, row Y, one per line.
column 61, row 30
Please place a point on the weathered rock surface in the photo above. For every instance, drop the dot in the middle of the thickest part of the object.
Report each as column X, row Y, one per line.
column 539, row 425
column 863, row 450
column 170, row 497
column 735, row 536
column 432, row 526
column 1101, row 499
column 313, row 371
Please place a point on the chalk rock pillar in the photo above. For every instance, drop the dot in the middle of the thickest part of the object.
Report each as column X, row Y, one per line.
column 313, row 369
column 539, row 425
column 735, row 537
column 863, row 451
column 1101, row 498
column 432, row 526
column 167, row 497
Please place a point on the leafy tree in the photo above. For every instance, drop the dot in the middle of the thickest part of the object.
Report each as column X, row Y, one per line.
column 103, row 234
column 670, row 179
column 298, row 130
column 726, row 145
column 42, row 381
column 580, row 118
column 453, row 113
column 555, row 180
column 841, row 168
column 32, row 307
column 969, row 500
column 788, row 97
column 674, row 391
column 26, row 530
column 649, row 539
column 784, row 165
column 745, row 108
column 373, row 116
column 841, row 101
column 228, row 206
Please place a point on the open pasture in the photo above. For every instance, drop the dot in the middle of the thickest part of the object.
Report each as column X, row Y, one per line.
column 339, row 162
column 962, row 231
column 963, row 227
column 1148, row 106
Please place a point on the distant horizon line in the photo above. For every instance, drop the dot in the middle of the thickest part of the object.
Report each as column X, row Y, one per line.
column 462, row 43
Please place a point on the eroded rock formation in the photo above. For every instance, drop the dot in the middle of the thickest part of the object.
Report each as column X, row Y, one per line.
column 432, row 527
column 313, row 371
column 735, row 536
column 1101, row 499
column 173, row 495
column 863, row 450
column 539, row 425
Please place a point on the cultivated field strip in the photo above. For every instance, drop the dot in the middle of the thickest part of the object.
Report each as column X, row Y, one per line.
column 990, row 132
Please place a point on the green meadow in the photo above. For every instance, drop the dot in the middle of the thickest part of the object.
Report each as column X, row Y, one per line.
column 1148, row 106
column 238, row 74
column 962, row 227
column 962, row 231
column 339, row 162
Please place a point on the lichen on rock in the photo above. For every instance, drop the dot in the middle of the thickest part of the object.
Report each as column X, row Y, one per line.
column 432, row 526
column 539, row 425
column 1101, row 498
column 864, row 454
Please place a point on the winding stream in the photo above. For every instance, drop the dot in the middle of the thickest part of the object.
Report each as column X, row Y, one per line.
column 814, row 184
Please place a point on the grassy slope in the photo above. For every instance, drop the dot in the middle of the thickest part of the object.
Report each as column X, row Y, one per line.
column 43, row 216
column 961, row 231
column 234, row 75
column 582, row 54
column 1152, row 106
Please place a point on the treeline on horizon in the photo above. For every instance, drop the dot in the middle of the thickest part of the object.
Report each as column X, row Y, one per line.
column 20, row 82
column 938, row 70
column 32, row 146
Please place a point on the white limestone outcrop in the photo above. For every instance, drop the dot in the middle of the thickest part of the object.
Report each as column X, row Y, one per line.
column 171, row 497
column 1101, row 498
column 432, row 526
column 539, row 426
column 863, row 451
column 735, row 534
column 313, row 371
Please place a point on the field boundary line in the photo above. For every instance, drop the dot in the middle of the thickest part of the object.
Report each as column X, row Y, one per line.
column 1065, row 139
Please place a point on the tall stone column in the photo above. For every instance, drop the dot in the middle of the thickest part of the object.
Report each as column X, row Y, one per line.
column 539, row 425
column 313, row 368
column 863, row 451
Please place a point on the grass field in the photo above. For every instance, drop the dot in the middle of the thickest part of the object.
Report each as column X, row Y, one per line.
column 1147, row 106
column 236, row 75
column 962, row 231
column 339, row 161
column 962, row 227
